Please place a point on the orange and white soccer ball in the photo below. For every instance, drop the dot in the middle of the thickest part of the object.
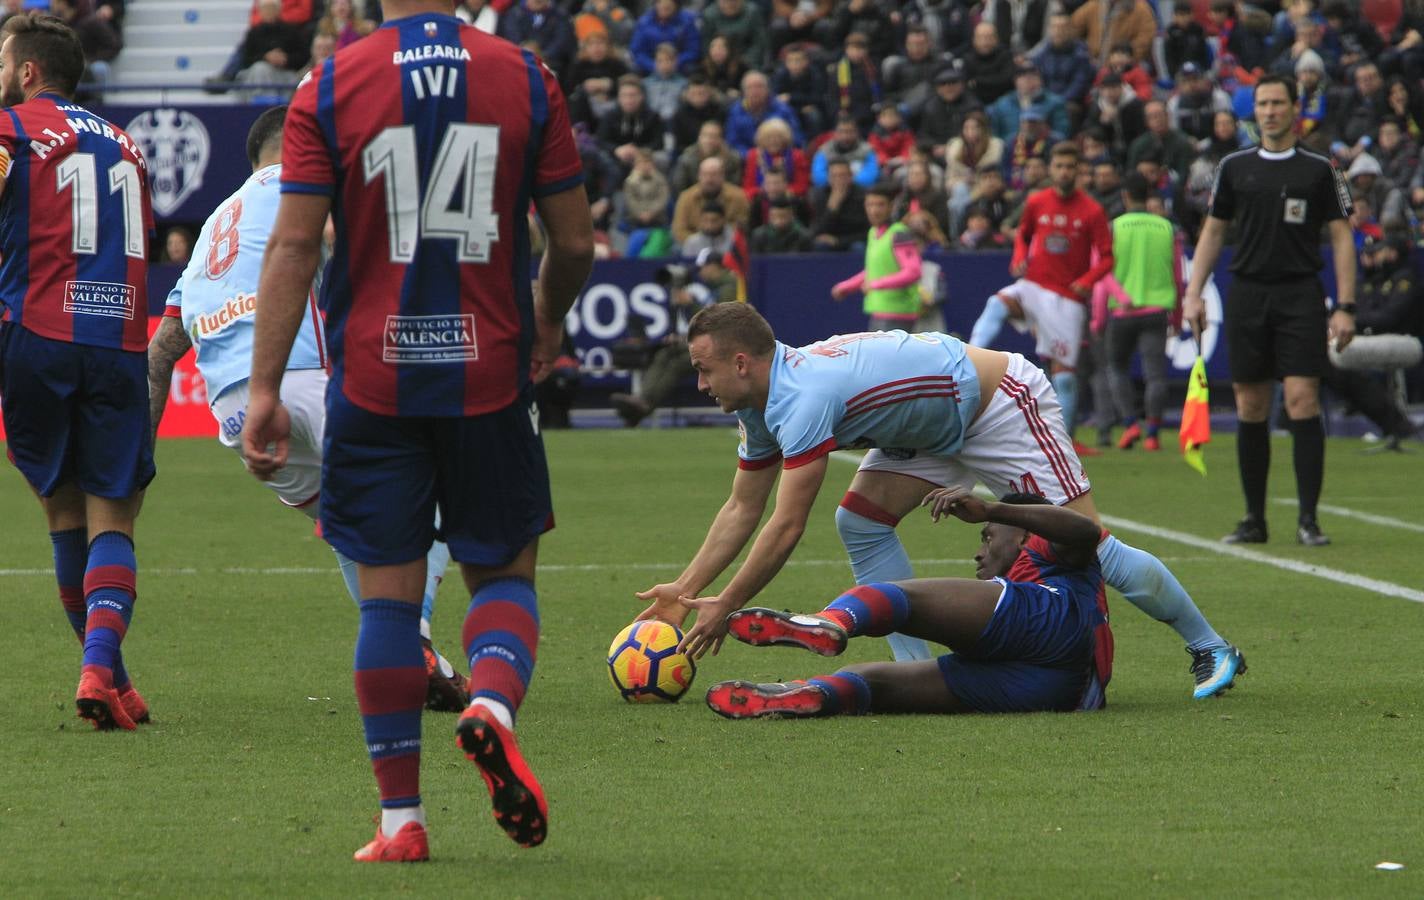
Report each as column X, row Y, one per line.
column 645, row 665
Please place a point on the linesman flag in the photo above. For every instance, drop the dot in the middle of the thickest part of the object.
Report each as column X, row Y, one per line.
column 1196, row 418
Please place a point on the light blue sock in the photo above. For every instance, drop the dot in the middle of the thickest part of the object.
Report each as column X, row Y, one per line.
column 876, row 554
column 990, row 323
column 1065, row 384
column 436, row 562
column 1151, row 587
column 348, row 575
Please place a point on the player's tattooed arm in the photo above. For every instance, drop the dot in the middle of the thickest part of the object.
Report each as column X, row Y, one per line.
column 169, row 344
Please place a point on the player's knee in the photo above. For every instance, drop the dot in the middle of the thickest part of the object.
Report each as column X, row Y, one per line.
column 859, row 522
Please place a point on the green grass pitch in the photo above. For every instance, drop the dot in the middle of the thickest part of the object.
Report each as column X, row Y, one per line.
column 253, row 781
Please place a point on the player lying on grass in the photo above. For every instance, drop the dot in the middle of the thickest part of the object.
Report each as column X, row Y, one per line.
column 212, row 309
column 936, row 413
column 1032, row 637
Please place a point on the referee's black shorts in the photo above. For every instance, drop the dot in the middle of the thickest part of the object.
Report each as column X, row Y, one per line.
column 1277, row 328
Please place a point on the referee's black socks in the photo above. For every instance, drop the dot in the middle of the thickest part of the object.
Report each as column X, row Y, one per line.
column 1253, row 458
column 1309, row 439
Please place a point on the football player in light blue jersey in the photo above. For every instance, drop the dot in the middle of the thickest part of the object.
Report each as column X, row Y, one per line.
column 211, row 310
column 932, row 412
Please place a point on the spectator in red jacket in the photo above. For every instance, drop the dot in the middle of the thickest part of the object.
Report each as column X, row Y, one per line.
column 773, row 150
column 891, row 140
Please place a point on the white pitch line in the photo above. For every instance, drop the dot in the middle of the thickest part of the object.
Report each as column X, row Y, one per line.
column 571, row 567
column 1388, row 588
column 1348, row 513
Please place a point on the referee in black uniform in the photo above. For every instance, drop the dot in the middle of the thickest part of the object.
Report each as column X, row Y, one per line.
column 1277, row 325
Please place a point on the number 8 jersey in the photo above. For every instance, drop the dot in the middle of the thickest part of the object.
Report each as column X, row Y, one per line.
column 75, row 222
column 431, row 138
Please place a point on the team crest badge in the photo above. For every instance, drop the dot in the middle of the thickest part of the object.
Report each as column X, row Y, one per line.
column 431, row 29
column 177, row 147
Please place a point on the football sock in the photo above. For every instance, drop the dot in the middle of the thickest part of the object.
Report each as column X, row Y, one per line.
column 390, row 692
column 1065, row 384
column 436, row 562
column 870, row 609
column 1153, row 426
column 496, row 709
column 847, row 694
column 1129, row 421
column 1308, row 439
column 1253, row 458
column 348, row 575
column 395, row 818
column 990, row 322
column 1151, row 587
column 71, row 557
column 501, row 641
column 109, row 584
column 876, row 554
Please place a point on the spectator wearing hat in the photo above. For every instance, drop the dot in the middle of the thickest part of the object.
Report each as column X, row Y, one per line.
column 665, row 23
column 944, row 113
column 907, row 78
column 1065, row 64
column 1184, row 41
column 1103, row 24
column 975, row 150
column 1195, row 101
column 1314, row 96
column 1118, row 112
column 742, row 24
column 1367, row 183
column 846, row 145
column 711, row 188
column 802, row 87
column 855, row 82
column 1021, row 25
column 756, row 106
column 781, row 233
column 988, row 65
column 1028, row 94
column 1176, row 149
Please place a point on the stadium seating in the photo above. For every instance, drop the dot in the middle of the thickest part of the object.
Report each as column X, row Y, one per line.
column 178, row 43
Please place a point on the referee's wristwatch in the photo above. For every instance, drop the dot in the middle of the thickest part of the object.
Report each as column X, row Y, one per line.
column 1347, row 308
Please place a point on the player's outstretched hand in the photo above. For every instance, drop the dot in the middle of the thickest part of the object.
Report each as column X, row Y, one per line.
column 958, row 502
column 665, row 604
column 264, row 436
column 710, row 629
column 548, row 341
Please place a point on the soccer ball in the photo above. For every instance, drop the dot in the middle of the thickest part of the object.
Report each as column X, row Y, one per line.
column 645, row 665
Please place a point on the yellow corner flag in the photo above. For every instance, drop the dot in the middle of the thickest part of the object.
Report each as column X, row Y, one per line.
column 1196, row 418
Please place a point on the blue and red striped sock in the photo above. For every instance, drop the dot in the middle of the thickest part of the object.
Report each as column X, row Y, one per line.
column 71, row 558
column 390, row 692
column 870, row 609
column 109, row 585
column 847, row 694
column 501, row 639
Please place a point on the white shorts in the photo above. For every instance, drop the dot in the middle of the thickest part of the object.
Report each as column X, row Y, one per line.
column 1057, row 322
column 1017, row 445
column 298, row 483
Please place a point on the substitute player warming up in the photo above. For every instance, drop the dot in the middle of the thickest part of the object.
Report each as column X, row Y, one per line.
column 75, row 223
column 427, row 140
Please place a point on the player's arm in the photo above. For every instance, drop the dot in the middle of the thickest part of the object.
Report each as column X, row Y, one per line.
column 1213, row 235
column 288, row 266
column 773, row 546
column 568, row 259
column 732, row 527
column 1102, row 244
column 1023, row 239
column 1342, row 247
column 1073, row 535
column 170, row 342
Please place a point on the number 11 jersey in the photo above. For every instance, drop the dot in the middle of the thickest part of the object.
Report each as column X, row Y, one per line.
column 431, row 138
column 75, row 221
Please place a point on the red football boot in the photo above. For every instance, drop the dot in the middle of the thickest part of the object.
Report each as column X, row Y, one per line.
column 409, row 845
column 760, row 627
column 519, row 806
column 97, row 701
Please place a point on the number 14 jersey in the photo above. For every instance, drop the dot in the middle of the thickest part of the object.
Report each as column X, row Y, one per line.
column 75, row 221
column 431, row 138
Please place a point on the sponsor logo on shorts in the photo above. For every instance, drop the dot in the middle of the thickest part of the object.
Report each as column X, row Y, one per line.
column 430, row 339
column 99, row 298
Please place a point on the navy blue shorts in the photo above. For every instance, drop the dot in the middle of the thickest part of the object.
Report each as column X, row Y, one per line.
column 1036, row 653
column 75, row 413
column 384, row 476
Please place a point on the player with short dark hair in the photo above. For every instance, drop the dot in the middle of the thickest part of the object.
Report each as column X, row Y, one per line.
column 427, row 141
column 1030, row 636
column 75, row 226
column 935, row 412
column 1277, row 327
column 1061, row 249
